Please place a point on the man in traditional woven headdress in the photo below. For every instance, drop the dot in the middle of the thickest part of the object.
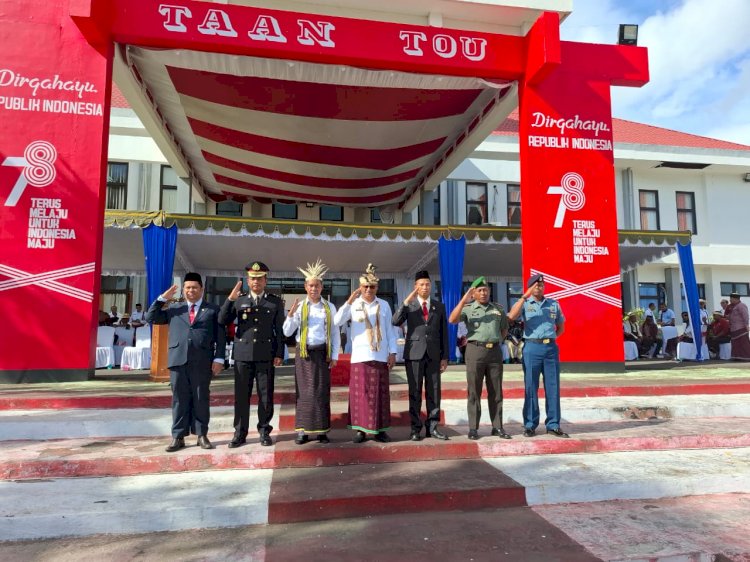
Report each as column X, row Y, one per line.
column 373, row 354
column 318, row 342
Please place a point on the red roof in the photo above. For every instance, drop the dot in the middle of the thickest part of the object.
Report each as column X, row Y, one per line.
column 637, row 133
column 118, row 100
column 623, row 131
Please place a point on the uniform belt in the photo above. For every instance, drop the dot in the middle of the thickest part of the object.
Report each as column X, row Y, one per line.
column 487, row 344
column 545, row 341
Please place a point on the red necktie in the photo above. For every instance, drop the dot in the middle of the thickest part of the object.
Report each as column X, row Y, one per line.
column 424, row 311
column 192, row 312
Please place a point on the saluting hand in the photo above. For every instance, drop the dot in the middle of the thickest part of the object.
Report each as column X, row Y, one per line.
column 170, row 293
column 469, row 295
column 236, row 291
column 295, row 305
column 411, row 296
column 354, row 295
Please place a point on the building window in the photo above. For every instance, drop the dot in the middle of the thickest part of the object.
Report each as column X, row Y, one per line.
column 284, row 211
column 476, row 203
column 686, row 211
column 115, row 290
column 229, row 209
column 117, row 185
column 651, row 293
column 514, row 292
column 168, row 191
column 331, row 213
column 649, row 204
column 742, row 289
column 375, row 215
column 683, row 300
column 514, row 205
column 436, row 207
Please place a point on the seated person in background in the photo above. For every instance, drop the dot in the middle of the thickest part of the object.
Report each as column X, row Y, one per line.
column 704, row 316
column 114, row 317
column 718, row 333
column 630, row 328
column 137, row 317
column 104, row 319
column 514, row 341
column 650, row 311
column 687, row 334
column 667, row 318
column 649, row 335
column 124, row 323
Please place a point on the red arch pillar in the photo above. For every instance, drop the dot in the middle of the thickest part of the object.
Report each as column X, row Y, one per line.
column 54, row 117
column 569, row 226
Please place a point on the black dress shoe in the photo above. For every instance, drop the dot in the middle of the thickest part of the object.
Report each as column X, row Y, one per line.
column 473, row 434
column 204, row 443
column 383, row 437
column 176, row 444
column 323, row 438
column 415, row 436
column 266, row 441
column 500, row 433
column 528, row 432
column 359, row 437
column 437, row 434
column 301, row 439
column 427, row 433
column 237, row 441
column 558, row 432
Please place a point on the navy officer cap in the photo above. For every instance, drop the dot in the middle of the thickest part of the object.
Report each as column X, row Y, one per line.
column 538, row 278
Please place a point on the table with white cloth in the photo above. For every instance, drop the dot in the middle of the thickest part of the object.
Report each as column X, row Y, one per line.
column 631, row 351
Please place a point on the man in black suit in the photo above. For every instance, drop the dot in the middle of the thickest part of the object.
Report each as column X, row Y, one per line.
column 425, row 353
column 258, row 348
column 196, row 353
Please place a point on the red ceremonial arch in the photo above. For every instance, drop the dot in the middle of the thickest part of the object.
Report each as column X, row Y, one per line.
column 275, row 104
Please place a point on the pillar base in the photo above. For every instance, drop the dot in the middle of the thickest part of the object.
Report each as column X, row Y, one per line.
column 614, row 367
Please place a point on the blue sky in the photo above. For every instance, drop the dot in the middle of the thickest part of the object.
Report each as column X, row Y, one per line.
column 699, row 57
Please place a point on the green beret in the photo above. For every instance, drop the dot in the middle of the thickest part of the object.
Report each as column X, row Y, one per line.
column 479, row 282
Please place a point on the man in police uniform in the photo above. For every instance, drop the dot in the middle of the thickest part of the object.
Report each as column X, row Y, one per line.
column 258, row 348
column 487, row 326
column 543, row 322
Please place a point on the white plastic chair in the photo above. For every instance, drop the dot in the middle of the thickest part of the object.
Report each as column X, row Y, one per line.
column 105, row 352
column 686, row 351
column 139, row 356
column 631, row 351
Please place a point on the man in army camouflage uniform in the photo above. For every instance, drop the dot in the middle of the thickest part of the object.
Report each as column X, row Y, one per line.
column 487, row 326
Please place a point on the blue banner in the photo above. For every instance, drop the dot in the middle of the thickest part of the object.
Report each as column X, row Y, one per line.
column 451, row 255
column 159, row 246
column 690, row 286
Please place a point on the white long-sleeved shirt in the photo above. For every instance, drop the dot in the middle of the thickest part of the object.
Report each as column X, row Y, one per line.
column 361, row 351
column 316, row 326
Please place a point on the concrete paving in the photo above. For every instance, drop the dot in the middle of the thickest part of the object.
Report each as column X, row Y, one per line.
column 709, row 528
column 40, row 424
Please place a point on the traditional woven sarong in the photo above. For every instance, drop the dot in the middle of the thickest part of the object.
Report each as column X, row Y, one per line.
column 313, row 384
column 369, row 397
column 740, row 345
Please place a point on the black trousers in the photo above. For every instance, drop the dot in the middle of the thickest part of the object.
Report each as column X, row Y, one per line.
column 245, row 372
column 190, row 399
column 482, row 365
column 425, row 372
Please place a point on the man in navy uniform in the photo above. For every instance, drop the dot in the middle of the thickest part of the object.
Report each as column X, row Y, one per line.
column 258, row 348
column 196, row 352
column 425, row 353
column 543, row 322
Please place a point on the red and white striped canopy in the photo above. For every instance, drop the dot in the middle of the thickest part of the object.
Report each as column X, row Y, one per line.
column 288, row 130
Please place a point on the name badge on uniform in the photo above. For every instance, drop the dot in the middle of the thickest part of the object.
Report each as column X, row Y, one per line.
column 552, row 315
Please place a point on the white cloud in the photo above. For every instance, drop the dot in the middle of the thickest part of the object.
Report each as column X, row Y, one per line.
column 699, row 59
